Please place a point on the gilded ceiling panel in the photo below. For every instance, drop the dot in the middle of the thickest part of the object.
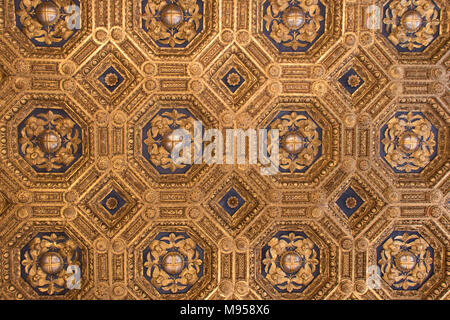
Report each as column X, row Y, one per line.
column 224, row 149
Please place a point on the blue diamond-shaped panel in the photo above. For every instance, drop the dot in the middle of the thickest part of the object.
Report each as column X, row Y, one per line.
column 48, row 23
column 113, row 202
column 351, row 81
column 111, row 79
column 349, row 202
column 232, row 202
column 233, row 80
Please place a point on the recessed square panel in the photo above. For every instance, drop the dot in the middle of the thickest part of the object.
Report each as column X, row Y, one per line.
column 349, row 202
column 111, row 79
column 232, row 202
column 233, row 80
column 113, row 202
column 351, row 81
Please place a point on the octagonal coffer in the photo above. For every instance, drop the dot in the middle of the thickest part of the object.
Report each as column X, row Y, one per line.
column 408, row 142
column 160, row 138
column 48, row 23
column 290, row 261
column 406, row 260
column 300, row 141
column 172, row 24
column 411, row 26
column 50, row 141
column 173, row 262
column 293, row 26
column 47, row 262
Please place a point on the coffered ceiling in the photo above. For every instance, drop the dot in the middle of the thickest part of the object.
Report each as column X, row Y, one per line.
column 93, row 206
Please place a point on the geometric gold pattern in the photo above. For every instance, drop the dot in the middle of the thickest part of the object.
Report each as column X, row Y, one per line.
column 94, row 95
